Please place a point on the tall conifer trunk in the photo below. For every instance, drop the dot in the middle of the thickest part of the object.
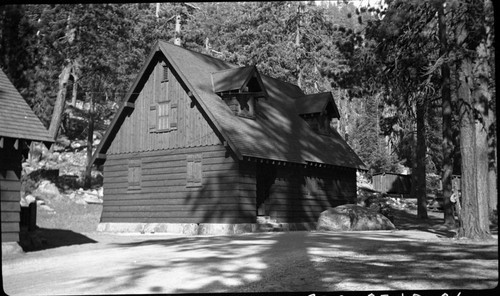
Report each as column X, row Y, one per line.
column 420, row 185
column 90, row 139
column 487, row 73
column 55, row 122
column 447, row 144
column 474, row 221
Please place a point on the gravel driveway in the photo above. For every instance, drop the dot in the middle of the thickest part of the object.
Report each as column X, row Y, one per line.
column 264, row 262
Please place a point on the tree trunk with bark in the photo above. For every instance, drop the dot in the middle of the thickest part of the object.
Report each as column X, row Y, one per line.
column 55, row 122
column 90, row 140
column 177, row 35
column 447, row 144
column 420, row 184
column 472, row 224
column 472, row 95
column 488, row 61
column 75, row 91
column 482, row 98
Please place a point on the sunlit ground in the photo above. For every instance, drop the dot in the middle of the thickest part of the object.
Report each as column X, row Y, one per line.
column 294, row 261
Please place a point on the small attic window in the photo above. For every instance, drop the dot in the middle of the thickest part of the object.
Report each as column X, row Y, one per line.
column 165, row 73
column 241, row 105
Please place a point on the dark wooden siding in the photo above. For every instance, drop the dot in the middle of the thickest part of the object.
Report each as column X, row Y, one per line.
column 192, row 128
column 164, row 196
column 10, row 187
column 300, row 194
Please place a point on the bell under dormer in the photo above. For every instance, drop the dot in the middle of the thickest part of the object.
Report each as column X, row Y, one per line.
column 240, row 88
column 319, row 111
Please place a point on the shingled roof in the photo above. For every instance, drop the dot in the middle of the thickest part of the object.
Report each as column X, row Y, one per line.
column 17, row 120
column 231, row 79
column 276, row 133
column 316, row 103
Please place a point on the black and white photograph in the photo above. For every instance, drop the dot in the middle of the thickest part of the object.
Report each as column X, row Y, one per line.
column 332, row 147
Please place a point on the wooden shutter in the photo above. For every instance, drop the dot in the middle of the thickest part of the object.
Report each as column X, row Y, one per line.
column 152, row 118
column 173, row 116
column 134, row 174
column 190, row 176
column 194, row 176
column 197, row 172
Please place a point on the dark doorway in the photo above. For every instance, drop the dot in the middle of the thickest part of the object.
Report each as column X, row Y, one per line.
column 266, row 174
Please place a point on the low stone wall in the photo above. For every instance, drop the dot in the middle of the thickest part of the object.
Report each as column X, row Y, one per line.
column 203, row 228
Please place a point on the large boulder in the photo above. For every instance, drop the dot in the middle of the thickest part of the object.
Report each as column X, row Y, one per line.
column 46, row 189
column 353, row 217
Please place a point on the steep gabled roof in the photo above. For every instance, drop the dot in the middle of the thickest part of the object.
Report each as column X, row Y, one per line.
column 17, row 120
column 276, row 133
column 316, row 103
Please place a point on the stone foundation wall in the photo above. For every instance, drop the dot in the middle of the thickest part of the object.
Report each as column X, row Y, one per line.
column 203, row 228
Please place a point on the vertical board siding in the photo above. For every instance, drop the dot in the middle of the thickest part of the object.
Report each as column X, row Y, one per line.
column 192, row 128
column 164, row 196
column 392, row 183
column 10, row 188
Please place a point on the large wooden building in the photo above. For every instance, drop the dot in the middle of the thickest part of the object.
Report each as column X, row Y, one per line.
column 200, row 142
column 19, row 127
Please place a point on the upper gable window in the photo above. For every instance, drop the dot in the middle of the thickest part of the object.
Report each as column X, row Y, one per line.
column 163, row 122
column 162, row 115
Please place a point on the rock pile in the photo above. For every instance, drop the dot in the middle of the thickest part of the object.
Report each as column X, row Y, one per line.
column 92, row 196
column 47, row 191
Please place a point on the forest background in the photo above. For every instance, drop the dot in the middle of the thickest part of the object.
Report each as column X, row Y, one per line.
column 414, row 80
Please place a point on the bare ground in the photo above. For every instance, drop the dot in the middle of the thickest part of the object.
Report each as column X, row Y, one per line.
column 418, row 256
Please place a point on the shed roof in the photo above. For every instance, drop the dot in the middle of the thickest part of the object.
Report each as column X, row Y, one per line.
column 277, row 132
column 17, row 120
column 231, row 79
column 316, row 103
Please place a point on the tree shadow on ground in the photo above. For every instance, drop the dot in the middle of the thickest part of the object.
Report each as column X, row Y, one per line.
column 404, row 220
column 408, row 220
column 302, row 262
column 46, row 238
column 388, row 260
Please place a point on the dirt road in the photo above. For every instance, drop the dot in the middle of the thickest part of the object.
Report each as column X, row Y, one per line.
column 294, row 261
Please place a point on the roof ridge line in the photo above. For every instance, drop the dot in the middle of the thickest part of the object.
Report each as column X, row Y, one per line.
column 196, row 52
column 282, row 81
column 230, row 69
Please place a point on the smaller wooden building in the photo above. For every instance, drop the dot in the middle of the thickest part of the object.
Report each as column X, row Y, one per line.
column 19, row 127
column 392, row 183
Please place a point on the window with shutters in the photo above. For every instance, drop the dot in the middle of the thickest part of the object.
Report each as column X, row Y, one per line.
column 162, row 115
column 134, row 174
column 194, row 171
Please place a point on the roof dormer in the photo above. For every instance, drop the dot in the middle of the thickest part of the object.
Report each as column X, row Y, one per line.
column 240, row 88
column 318, row 110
